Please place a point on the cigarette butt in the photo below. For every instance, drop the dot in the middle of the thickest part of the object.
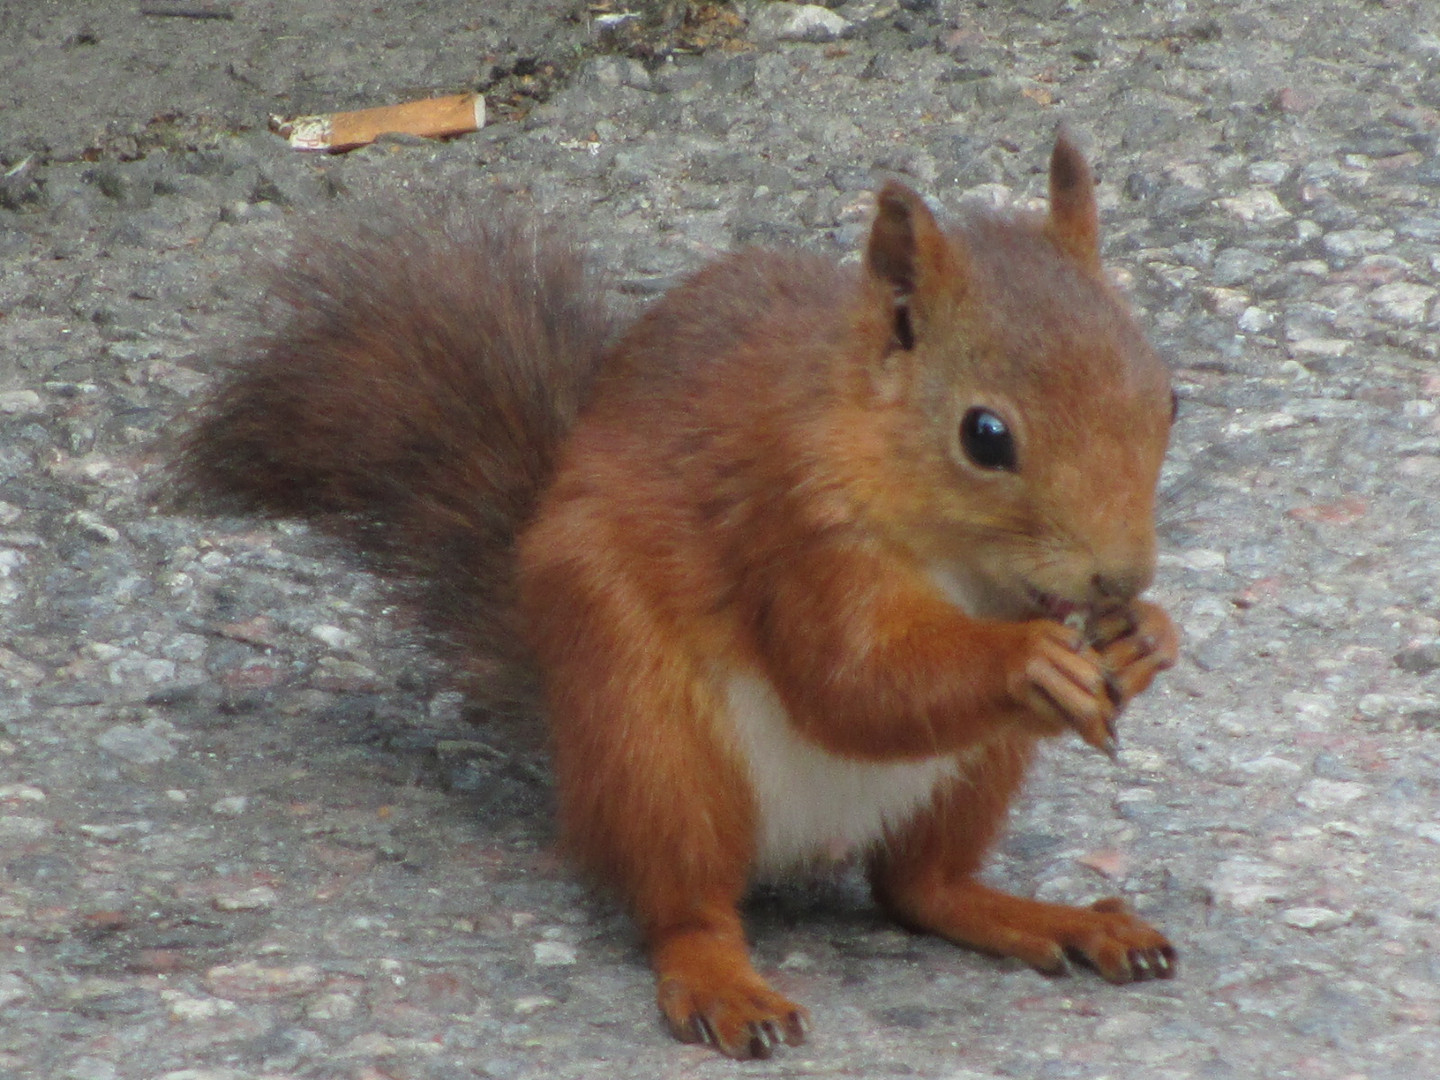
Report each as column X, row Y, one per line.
column 433, row 118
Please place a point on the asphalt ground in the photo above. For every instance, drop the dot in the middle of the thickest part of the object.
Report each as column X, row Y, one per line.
column 247, row 831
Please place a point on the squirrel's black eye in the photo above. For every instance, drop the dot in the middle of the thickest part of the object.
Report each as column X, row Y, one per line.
column 987, row 441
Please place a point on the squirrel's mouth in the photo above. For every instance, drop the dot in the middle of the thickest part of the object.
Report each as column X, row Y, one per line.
column 1054, row 607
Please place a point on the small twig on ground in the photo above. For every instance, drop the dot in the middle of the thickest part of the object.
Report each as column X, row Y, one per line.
column 189, row 10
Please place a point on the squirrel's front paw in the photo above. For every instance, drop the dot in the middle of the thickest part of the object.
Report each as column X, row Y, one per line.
column 1135, row 642
column 1063, row 682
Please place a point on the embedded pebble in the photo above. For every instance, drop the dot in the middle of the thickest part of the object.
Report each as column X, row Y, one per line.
column 1330, row 794
column 251, row 981
column 1254, row 320
column 20, row 402
column 796, row 22
column 189, row 1010
column 332, row 1007
column 1314, row 918
column 147, row 745
column 1260, row 206
column 1237, row 266
column 91, row 526
column 335, row 637
column 555, row 953
column 1419, row 659
column 230, row 806
column 1246, row 884
column 1403, row 302
column 1352, row 243
column 344, row 676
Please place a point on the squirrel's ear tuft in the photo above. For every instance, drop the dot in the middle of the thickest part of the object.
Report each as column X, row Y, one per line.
column 910, row 255
column 1074, row 219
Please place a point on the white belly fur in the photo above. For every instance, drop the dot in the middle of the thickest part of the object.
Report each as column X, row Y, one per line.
column 814, row 805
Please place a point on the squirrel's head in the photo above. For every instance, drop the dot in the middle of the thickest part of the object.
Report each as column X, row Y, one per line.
column 1025, row 395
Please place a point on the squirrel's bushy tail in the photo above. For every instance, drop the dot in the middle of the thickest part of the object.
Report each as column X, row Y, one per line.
column 413, row 379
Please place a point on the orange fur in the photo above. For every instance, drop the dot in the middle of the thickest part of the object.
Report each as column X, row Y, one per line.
column 797, row 576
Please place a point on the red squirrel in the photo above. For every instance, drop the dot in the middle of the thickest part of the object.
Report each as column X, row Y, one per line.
column 807, row 558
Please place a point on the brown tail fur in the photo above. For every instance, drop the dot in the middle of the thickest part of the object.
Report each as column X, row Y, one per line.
column 414, row 374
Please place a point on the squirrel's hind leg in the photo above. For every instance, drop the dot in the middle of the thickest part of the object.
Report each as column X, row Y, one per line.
column 666, row 823
column 679, row 861
column 925, row 879
column 656, row 807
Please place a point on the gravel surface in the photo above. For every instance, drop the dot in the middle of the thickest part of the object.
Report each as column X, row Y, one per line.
column 245, row 830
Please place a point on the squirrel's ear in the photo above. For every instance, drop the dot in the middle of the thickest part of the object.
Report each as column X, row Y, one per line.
column 909, row 254
column 1074, row 219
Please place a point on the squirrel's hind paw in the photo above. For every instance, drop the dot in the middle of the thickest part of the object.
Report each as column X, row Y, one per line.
column 1107, row 936
column 1122, row 947
column 741, row 1021
column 709, row 993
